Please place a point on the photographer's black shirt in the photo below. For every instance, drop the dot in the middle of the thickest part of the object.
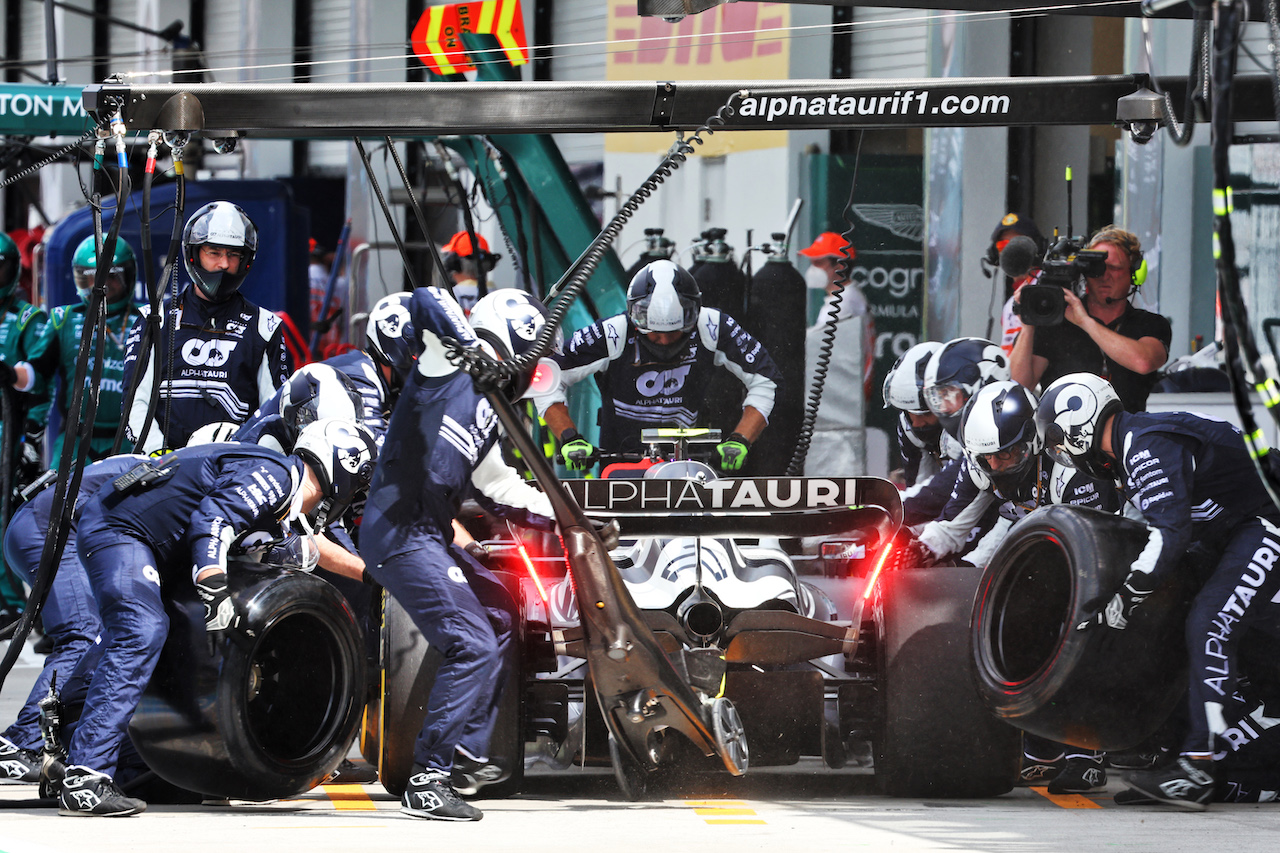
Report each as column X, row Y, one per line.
column 1069, row 349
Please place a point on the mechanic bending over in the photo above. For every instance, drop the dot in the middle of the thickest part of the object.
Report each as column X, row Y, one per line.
column 654, row 365
column 442, row 446
column 1194, row 483
column 130, row 538
column 229, row 354
column 953, row 375
column 930, row 456
column 1103, row 334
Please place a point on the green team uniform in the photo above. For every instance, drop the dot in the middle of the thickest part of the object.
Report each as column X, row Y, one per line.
column 58, row 348
column 20, row 330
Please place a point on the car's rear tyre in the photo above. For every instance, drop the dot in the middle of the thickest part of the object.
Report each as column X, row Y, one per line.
column 1099, row 688
column 409, row 668
column 935, row 739
column 268, row 714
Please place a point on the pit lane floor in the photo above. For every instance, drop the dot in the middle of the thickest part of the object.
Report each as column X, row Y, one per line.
column 777, row 809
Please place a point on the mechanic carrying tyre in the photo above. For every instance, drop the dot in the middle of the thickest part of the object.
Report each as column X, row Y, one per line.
column 442, row 442
column 654, row 365
column 1194, row 483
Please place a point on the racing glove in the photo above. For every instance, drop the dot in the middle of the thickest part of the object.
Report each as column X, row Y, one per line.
column 733, row 452
column 1117, row 611
column 579, row 454
column 294, row 552
column 478, row 552
column 219, row 611
column 919, row 554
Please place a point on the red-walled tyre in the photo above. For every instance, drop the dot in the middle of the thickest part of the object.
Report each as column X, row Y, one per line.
column 266, row 716
column 1100, row 688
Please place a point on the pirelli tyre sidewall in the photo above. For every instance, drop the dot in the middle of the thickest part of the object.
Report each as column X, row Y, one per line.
column 268, row 714
column 1100, row 688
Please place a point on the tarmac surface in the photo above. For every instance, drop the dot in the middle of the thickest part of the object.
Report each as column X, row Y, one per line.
column 802, row 808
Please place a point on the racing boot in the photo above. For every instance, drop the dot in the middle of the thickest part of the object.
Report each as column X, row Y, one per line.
column 1080, row 775
column 88, row 793
column 18, row 765
column 350, row 773
column 1134, row 797
column 470, row 774
column 429, row 795
column 1038, row 771
column 1188, row 783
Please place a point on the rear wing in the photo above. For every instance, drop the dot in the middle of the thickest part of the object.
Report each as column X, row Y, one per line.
column 760, row 506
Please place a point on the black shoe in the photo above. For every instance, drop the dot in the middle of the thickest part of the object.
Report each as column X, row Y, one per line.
column 43, row 644
column 18, row 765
column 1079, row 775
column 350, row 773
column 1132, row 797
column 469, row 775
column 1134, row 759
column 1037, row 771
column 87, row 793
column 1187, row 783
column 429, row 795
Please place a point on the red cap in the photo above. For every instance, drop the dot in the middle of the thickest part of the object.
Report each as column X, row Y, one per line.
column 460, row 244
column 828, row 244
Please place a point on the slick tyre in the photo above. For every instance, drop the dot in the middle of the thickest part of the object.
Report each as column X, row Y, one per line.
column 935, row 738
column 408, row 673
column 1100, row 688
column 272, row 708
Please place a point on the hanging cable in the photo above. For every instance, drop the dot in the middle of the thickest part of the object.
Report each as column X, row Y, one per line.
column 844, row 274
column 386, row 212
column 81, row 412
column 1244, row 364
column 417, row 213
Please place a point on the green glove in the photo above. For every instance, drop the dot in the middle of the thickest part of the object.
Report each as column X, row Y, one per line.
column 578, row 453
column 733, row 452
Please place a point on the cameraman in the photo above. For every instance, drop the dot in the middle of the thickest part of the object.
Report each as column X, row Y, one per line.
column 1104, row 334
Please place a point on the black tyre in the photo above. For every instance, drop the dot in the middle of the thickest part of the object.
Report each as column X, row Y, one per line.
column 265, row 716
column 1099, row 688
column 935, row 738
column 409, row 668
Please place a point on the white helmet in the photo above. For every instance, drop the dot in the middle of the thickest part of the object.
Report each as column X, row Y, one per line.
column 214, row 433
column 342, row 455
column 1070, row 417
column 509, row 321
column 1001, row 439
column 904, row 385
column 317, row 392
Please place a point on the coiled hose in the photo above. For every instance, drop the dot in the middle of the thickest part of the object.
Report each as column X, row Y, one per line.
column 844, row 270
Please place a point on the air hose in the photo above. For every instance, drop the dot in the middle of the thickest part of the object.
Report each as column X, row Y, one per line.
column 490, row 373
column 844, row 269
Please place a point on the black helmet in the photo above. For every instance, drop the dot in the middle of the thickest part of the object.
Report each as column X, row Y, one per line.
column 956, row 372
column 391, row 338
column 663, row 297
column 1001, row 439
column 222, row 225
column 318, row 392
column 510, row 320
column 342, row 455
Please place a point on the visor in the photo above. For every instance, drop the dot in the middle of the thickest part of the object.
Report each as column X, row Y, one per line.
column 945, row 400
column 1007, row 461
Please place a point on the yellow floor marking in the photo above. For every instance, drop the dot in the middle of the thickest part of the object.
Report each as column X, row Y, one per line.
column 716, row 812
column 1066, row 801
column 349, row 798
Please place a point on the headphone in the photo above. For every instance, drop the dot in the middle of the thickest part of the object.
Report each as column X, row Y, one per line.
column 485, row 260
column 1138, row 270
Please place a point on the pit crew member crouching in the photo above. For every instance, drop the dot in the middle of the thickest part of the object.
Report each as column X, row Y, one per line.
column 930, row 456
column 1194, row 483
column 136, row 535
column 441, row 447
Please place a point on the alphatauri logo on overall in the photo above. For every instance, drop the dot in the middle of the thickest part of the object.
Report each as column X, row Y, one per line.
column 207, row 353
column 657, row 383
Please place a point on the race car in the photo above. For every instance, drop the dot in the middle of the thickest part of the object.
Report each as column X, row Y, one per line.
column 782, row 604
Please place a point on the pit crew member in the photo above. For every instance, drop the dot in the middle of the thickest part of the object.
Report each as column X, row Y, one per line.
column 136, row 535
column 441, row 446
column 654, row 364
column 1194, row 483
column 228, row 354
